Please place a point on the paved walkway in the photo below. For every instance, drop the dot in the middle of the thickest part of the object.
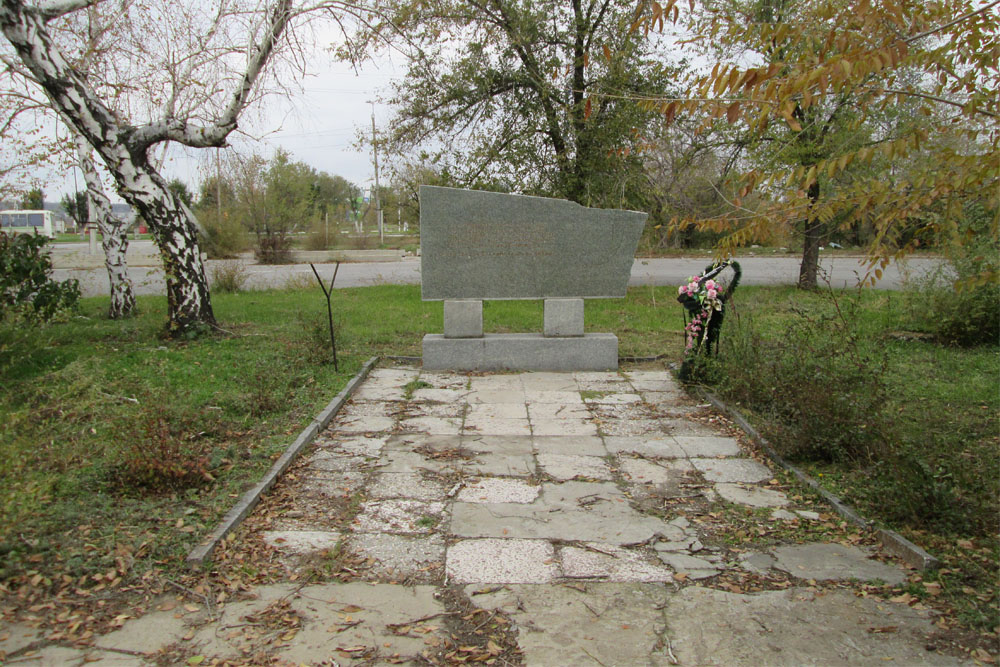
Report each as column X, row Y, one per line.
column 543, row 519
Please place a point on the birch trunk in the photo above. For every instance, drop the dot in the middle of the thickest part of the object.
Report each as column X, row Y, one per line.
column 113, row 231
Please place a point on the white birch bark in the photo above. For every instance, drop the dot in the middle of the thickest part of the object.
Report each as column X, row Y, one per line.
column 113, row 231
column 125, row 148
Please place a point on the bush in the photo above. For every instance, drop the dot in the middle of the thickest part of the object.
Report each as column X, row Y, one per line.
column 165, row 450
column 960, row 303
column 229, row 276
column 223, row 238
column 273, row 248
column 821, row 386
column 320, row 236
column 26, row 284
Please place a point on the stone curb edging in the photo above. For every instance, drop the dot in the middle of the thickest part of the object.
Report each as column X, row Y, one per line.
column 203, row 552
column 892, row 541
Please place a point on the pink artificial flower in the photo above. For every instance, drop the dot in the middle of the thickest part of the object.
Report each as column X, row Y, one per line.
column 680, row 290
column 711, row 293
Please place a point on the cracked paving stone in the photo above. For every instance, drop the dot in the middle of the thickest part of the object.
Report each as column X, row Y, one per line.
column 398, row 516
column 580, row 445
column 439, row 395
column 299, row 542
column 400, row 555
column 501, row 561
column 708, row 446
column 431, row 425
column 571, row 466
column 491, row 490
column 732, row 470
column 692, row 566
column 825, row 561
column 406, row 485
column 567, row 427
column 661, row 446
column 752, row 496
column 610, row 563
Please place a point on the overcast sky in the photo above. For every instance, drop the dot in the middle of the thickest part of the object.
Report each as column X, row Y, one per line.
column 318, row 127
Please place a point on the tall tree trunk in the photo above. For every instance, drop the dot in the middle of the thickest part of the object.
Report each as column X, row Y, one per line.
column 809, row 268
column 125, row 155
column 113, row 231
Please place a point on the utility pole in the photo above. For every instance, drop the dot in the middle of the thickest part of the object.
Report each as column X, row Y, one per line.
column 378, row 201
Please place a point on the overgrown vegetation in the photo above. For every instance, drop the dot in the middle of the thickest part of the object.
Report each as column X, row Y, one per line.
column 26, row 285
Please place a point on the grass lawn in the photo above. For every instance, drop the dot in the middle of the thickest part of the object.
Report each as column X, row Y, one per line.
column 96, row 414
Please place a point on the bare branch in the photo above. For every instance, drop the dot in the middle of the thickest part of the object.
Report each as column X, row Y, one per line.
column 56, row 8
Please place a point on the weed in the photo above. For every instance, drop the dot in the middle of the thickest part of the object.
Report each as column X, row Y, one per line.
column 229, row 276
column 414, row 385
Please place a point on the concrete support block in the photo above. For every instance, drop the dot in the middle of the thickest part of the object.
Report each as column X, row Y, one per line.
column 563, row 317
column 463, row 319
column 521, row 352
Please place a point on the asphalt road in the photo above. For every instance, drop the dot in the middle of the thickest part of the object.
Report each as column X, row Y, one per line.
column 841, row 271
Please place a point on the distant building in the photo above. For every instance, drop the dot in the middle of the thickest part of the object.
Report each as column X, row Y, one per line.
column 30, row 222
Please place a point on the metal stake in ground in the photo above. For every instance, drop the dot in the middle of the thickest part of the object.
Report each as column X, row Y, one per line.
column 329, row 309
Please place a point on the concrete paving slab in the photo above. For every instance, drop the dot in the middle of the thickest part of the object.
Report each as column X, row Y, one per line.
column 758, row 563
column 549, row 382
column 499, row 561
column 498, row 382
column 444, row 380
column 692, row 566
column 370, row 409
column 301, row 542
column 492, row 396
column 426, row 395
column 151, row 632
column 488, row 425
column 732, row 470
column 660, row 398
column 552, row 396
column 499, row 465
column 679, row 427
column 514, row 445
column 492, row 490
column 408, row 462
column 568, row 427
column 823, row 561
column 398, row 516
column 708, row 446
column 546, row 411
column 571, row 466
column 333, row 484
column 373, row 392
column 395, row 376
column 653, row 381
column 335, row 461
column 598, row 376
column 455, row 410
column 610, row 563
column 497, row 411
column 400, row 555
column 610, row 398
column 644, row 471
column 581, row 445
column 359, row 614
column 661, row 446
column 407, row 442
column 406, row 485
column 753, row 496
column 431, row 425
column 586, row 624
column 622, row 426
column 795, row 627
column 364, row 424
column 359, row 445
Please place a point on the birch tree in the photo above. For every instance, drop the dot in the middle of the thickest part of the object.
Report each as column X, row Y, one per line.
column 199, row 104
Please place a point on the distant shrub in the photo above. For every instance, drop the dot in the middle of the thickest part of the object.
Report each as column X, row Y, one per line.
column 229, row 276
column 273, row 248
column 26, row 284
column 223, row 238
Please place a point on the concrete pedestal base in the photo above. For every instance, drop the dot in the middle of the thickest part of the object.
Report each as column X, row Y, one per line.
column 521, row 352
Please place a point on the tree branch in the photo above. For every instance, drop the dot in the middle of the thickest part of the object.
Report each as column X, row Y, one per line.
column 53, row 9
column 961, row 18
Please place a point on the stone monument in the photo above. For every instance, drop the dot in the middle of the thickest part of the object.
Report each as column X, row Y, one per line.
column 477, row 246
